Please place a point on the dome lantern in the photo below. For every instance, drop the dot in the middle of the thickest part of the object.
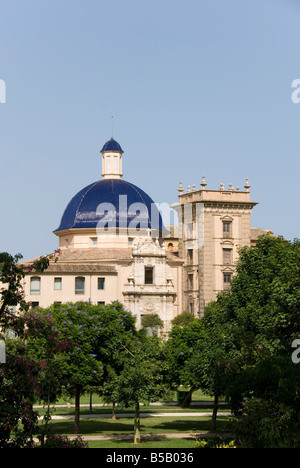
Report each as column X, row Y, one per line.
column 112, row 160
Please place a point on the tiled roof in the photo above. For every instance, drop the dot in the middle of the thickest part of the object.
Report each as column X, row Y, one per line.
column 256, row 232
column 79, row 268
column 94, row 254
column 94, row 260
column 171, row 257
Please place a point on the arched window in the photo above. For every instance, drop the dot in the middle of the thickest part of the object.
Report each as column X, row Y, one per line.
column 35, row 285
column 79, row 285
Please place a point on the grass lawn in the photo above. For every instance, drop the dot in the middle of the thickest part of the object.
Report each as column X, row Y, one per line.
column 148, row 444
column 198, row 396
column 153, row 425
column 201, row 402
column 120, row 411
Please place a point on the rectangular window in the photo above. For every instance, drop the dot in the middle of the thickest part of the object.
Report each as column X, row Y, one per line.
column 227, row 256
column 190, row 256
column 101, row 303
column 115, row 164
column 108, row 166
column 94, row 241
column 227, row 277
column 35, row 304
column 189, row 230
column 57, row 284
column 101, row 283
column 190, row 281
column 35, row 286
column 227, row 228
column 149, row 275
column 79, row 285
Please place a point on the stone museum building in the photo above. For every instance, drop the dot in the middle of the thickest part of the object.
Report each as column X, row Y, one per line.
column 113, row 245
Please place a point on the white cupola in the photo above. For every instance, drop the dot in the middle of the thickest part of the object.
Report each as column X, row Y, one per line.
column 112, row 160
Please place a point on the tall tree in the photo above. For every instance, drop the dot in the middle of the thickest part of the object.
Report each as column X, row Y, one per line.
column 260, row 315
column 180, row 348
column 95, row 332
column 18, row 374
column 144, row 377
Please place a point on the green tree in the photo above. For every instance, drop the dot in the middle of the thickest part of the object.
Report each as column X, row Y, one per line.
column 198, row 357
column 260, row 317
column 144, row 378
column 211, row 363
column 109, row 389
column 180, row 348
column 183, row 319
column 12, row 272
column 19, row 374
column 18, row 390
column 152, row 322
column 115, row 349
column 94, row 333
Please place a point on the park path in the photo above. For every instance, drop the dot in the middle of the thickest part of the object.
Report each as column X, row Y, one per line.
column 172, row 435
column 142, row 415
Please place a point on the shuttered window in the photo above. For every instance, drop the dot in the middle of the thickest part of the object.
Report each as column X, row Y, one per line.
column 227, row 256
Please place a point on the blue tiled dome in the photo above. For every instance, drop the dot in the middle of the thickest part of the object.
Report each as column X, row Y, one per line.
column 83, row 211
column 112, row 145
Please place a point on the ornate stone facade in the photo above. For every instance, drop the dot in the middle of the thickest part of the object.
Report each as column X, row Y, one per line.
column 150, row 288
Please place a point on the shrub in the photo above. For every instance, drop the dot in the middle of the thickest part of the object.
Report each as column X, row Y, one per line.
column 268, row 424
column 215, row 443
column 59, row 441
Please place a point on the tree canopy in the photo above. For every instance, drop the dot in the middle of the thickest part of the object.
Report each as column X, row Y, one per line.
column 90, row 338
column 260, row 319
column 243, row 348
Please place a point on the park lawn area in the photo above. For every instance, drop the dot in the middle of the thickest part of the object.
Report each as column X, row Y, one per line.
column 147, row 444
column 152, row 425
column 58, row 411
column 201, row 402
column 198, row 396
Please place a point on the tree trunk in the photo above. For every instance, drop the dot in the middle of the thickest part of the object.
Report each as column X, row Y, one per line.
column 47, row 418
column 137, row 425
column 114, row 416
column 213, row 426
column 77, row 409
column 91, row 402
column 185, row 402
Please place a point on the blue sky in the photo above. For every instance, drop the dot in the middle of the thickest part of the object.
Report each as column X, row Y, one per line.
column 196, row 87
